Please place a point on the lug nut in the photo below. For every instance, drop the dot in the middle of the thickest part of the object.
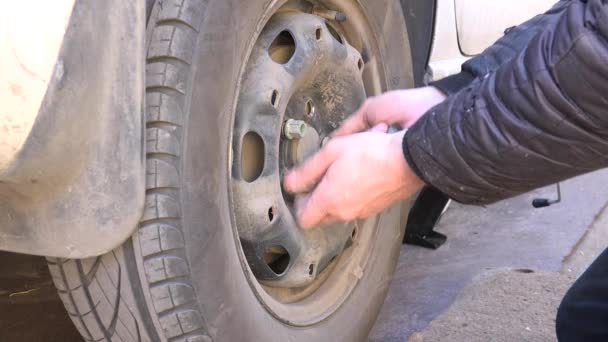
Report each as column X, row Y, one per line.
column 294, row 129
column 329, row 14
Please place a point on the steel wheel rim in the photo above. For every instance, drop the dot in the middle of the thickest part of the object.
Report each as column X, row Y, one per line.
column 336, row 281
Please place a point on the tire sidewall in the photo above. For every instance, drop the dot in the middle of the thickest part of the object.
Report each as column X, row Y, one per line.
column 229, row 305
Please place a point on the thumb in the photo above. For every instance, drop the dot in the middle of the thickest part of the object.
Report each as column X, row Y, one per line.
column 381, row 127
column 355, row 123
column 304, row 177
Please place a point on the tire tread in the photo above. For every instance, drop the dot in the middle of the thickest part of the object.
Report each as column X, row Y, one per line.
column 91, row 289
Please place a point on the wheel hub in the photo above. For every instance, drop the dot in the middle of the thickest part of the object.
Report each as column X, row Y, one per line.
column 301, row 68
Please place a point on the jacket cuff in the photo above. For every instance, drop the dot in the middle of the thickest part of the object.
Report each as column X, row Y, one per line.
column 454, row 83
column 410, row 160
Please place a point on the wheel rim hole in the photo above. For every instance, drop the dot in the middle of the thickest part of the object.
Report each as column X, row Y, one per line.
column 360, row 64
column 277, row 258
column 309, row 108
column 271, row 214
column 311, row 269
column 252, row 156
column 282, row 48
column 274, row 98
column 318, row 33
column 353, row 235
column 334, row 33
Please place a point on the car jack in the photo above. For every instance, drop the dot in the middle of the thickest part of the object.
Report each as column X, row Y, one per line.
column 422, row 218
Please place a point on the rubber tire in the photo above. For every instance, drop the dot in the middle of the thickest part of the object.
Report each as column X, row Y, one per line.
column 179, row 277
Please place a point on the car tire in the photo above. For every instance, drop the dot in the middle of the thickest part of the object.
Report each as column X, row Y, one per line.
column 181, row 276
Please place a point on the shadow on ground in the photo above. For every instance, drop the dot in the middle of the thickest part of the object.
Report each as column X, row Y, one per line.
column 30, row 309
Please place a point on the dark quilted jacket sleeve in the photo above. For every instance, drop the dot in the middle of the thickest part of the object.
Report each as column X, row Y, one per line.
column 541, row 117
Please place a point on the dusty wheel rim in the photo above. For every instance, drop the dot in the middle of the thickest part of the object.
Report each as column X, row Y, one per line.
column 302, row 67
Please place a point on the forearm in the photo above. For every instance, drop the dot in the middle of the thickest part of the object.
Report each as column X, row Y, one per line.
column 540, row 118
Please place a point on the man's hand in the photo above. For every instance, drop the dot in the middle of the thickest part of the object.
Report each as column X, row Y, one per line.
column 402, row 107
column 353, row 177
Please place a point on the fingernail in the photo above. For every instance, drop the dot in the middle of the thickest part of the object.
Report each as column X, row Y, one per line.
column 381, row 127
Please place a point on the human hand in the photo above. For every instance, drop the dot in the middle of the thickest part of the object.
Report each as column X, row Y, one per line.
column 353, row 177
column 402, row 107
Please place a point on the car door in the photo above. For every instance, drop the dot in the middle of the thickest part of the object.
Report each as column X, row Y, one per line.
column 464, row 28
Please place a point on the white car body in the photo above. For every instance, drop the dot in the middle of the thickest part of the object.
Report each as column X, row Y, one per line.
column 465, row 28
column 31, row 32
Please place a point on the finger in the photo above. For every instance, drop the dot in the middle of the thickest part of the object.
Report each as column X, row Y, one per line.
column 327, row 220
column 310, row 210
column 381, row 127
column 355, row 123
column 305, row 176
column 352, row 125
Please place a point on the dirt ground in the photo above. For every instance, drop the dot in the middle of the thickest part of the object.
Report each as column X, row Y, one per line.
column 502, row 305
column 515, row 304
column 518, row 304
column 467, row 290
column 30, row 309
